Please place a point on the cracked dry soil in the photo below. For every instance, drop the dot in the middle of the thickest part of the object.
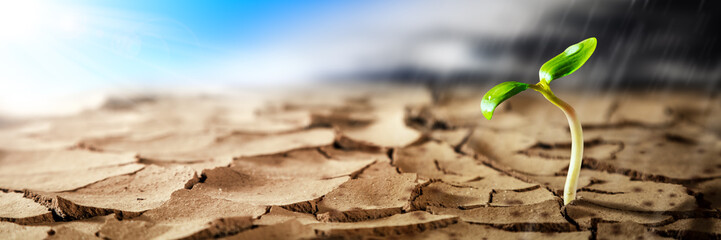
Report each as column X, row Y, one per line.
column 375, row 162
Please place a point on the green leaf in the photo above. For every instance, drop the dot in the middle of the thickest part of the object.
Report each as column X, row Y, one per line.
column 568, row 61
column 498, row 94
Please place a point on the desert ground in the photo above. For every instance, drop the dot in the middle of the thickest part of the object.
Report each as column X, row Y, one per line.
column 364, row 162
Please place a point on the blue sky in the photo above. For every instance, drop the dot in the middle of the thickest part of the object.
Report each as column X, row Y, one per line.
column 50, row 50
column 229, row 24
column 181, row 35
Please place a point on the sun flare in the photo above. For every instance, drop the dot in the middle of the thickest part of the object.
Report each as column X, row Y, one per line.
column 21, row 19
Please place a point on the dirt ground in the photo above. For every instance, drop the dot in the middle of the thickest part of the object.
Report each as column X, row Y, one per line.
column 364, row 162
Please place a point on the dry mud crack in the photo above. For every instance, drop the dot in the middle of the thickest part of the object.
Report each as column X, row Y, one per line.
column 374, row 162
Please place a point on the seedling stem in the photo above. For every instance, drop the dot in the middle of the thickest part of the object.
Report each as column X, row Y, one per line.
column 574, row 167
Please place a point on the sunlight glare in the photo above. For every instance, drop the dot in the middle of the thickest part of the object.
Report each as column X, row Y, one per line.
column 20, row 20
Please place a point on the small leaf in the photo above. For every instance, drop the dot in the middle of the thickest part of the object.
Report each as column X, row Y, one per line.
column 498, row 94
column 568, row 61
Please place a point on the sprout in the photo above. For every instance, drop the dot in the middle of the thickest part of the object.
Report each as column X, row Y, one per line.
column 560, row 66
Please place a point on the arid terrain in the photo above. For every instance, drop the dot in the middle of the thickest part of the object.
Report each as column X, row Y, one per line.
column 364, row 162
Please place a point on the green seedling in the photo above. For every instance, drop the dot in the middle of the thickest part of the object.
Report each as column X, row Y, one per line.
column 562, row 65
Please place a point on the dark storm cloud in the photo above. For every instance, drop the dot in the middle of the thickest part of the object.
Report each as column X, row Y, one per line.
column 669, row 43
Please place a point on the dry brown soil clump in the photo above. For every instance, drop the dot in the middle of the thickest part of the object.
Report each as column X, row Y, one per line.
column 371, row 162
